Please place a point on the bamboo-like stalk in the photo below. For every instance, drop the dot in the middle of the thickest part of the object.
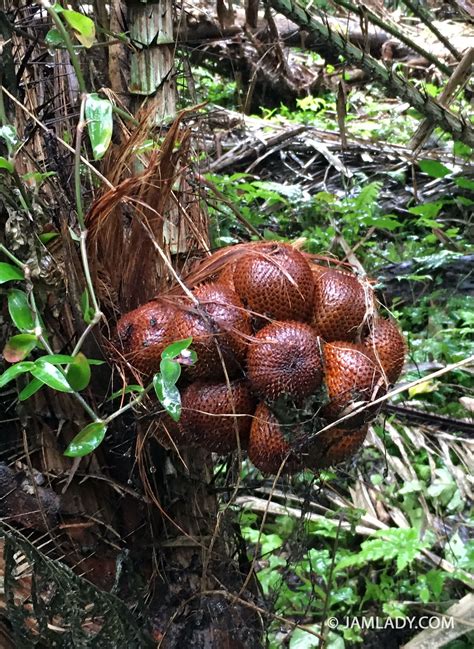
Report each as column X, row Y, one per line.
column 152, row 58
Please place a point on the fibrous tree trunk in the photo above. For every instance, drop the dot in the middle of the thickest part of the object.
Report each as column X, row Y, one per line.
column 125, row 547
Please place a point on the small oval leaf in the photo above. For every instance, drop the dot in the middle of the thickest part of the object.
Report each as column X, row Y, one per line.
column 434, row 168
column 87, row 440
column 6, row 164
column 79, row 373
column 48, row 236
column 83, row 26
column 170, row 371
column 14, row 371
column 176, row 348
column 55, row 359
column 9, row 273
column 168, row 396
column 18, row 347
column 30, row 389
column 87, row 310
column 51, row 376
column 54, row 38
column 99, row 124
column 20, row 311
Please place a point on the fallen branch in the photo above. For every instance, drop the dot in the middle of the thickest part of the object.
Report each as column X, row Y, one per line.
column 395, row 84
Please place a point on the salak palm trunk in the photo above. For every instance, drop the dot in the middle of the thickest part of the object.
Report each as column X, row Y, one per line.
column 125, row 547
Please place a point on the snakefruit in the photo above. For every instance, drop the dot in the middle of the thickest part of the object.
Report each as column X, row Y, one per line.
column 208, row 410
column 340, row 305
column 387, row 344
column 142, row 334
column 275, row 281
column 223, row 321
column 285, row 358
column 352, row 380
column 318, row 335
column 268, row 448
column 333, row 446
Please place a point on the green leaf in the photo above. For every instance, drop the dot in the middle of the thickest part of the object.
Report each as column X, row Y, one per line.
column 14, row 371
column 55, row 359
column 9, row 135
column 87, row 440
column 138, row 389
column 51, row 376
column 48, row 236
column 301, row 639
column 434, row 168
column 423, row 388
column 9, row 273
column 465, row 183
column 168, row 396
column 30, row 389
column 18, row 347
column 170, row 371
column 54, row 38
column 176, row 348
column 6, row 164
column 87, row 310
column 20, row 311
column 427, row 210
column 83, row 26
column 79, row 372
column 99, row 124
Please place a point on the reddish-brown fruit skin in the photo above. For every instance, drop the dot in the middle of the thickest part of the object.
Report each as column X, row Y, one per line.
column 226, row 276
column 207, row 414
column 387, row 344
column 228, row 324
column 275, row 281
column 334, row 446
column 352, row 377
column 340, row 305
column 170, row 434
column 285, row 358
column 267, row 447
column 142, row 334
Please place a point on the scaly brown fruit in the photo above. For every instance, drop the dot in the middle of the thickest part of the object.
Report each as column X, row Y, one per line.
column 352, row 380
column 341, row 302
column 275, row 281
column 285, row 358
column 220, row 319
column 334, row 446
column 387, row 344
column 142, row 334
column 268, row 448
column 208, row 410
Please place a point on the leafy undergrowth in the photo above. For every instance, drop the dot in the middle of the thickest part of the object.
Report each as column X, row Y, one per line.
column 387, row 536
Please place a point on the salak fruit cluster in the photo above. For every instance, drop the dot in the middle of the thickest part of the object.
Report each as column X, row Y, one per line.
column 285, row 349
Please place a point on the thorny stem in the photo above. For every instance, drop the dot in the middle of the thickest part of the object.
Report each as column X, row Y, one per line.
column 67, row 41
